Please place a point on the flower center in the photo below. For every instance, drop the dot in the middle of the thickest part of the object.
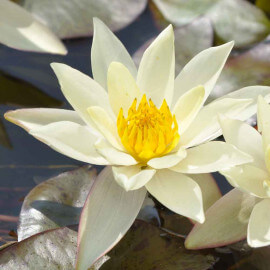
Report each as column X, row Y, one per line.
column 148, row 132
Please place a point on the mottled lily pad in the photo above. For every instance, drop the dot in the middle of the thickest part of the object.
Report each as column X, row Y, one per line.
column 54, row 249
column 55, row 203
column 147, row 247
column 69, row 19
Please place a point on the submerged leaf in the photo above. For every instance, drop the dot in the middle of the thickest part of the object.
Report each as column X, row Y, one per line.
column 69, row 19
column 4, row 140
column 17, row 92
column 54, row 249
column 55, row 203
column 147, row 247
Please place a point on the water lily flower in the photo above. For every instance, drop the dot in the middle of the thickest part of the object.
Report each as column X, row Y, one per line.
column 245, row 210
column 152, row 128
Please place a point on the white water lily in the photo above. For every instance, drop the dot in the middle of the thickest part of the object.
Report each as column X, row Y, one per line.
column 251, row 217
column 150, row 127
column 20, row 30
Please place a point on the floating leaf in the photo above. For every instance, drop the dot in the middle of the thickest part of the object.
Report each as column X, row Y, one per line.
column 54, row 249
column 20, row 30
column 181, row 12
column 189, row 41
column 249, row 68
column 235, row 20
column 17, row 92
column 240, row 21
column 56, row 202
column 147, row 247
column 69, row 19
column 108, row 213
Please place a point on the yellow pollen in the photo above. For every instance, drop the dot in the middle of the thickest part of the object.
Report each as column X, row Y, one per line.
column 148, row 132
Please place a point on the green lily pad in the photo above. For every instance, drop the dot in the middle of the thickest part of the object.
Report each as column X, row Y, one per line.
column 54, row 249
column 4, row 139
column 236, row 20
column 69, row 19
column 147, row 247
column 264, row 5
column 249, row 68
column 55, row 203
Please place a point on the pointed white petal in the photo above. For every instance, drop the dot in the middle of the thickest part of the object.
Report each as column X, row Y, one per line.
column 72, row 140
column 264, row 121
column 107, row 48
column 114, row 156
column 106, row 126
column 20, row 30
column 34, row 118
column 245, row 138
column 259, row 225
column 211, row 157
column 122, row 88
column 248, row 178
column 108, row 213
column 204, row 69
column 210, row 190
column 188, row 106
column 81, row 91
column 250, row 92
column 132, row 177
column 156, row 70
column 167, row 161
column 225, row 223
column 178, row 192
column 205, row 126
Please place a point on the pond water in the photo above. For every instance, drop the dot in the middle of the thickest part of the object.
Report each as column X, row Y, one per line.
column 27, row 80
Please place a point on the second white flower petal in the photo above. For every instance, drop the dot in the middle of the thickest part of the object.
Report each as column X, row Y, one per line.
column 211, row 157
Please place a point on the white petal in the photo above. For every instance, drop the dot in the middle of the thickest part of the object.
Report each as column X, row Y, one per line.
column 250, row 92
column 81, row 91
column 114, row 156
column 132, row 177
column 188, row 106
column 210, row 190
column 225, row 222
column 107, row 48
column 248, row 178
column 20, row 30
column 211, row 157
column 167, row 161
column 204, row 69
column 122, row 88
column 245, row 138
column 108, row 213
column 106, row 125
column 177, row 192
column 259, row 225
column 34, row 118
column 72, row 140
column 156, row 70
column 264, row 121
column 205, row 126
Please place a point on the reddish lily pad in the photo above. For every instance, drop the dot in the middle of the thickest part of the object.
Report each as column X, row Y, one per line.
column 55, row 203
column 54, row 249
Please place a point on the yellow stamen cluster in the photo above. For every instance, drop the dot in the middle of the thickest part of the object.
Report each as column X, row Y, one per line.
column 148, row 132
